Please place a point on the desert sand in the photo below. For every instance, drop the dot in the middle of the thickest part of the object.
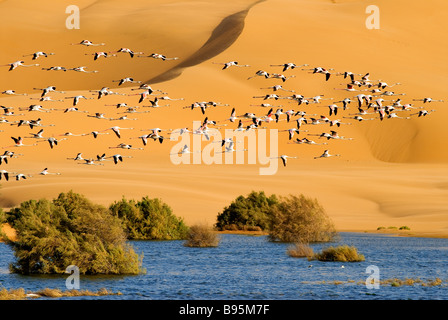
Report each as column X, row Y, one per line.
column 393, row 173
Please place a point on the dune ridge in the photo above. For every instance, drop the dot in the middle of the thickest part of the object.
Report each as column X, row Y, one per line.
column 223, row 36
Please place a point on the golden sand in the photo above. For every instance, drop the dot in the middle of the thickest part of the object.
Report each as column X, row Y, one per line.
column 393, row 173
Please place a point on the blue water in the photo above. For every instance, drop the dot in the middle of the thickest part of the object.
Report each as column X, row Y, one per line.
column 252, row 268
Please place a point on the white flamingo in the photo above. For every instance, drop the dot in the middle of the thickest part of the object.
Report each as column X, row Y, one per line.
column 260, row 73
column 277, row 88
column 117, row 129
column 125, row 146
column 127, row 79
column 118, row 158
column 423, row 113
column 13, row 92
column 17, row 64
column 48, row 89
column 18, row 142
column 46, row 172
column 77, row 98
column 129, row 51
column 284, row 158
column 39, row 54
column 99, row 116
column 231, row 64
column 77, row 158
column 155, row 103
column 88, row 43
column 307, row 141
column 82, row 69
column 327, row 154
column 100, row 54
column 47, row 99
column 159, row 56
column 288, row 66
column 428, row 100
column 95, row 134
column 280, row 76
column 55, row 68
column 21, row 176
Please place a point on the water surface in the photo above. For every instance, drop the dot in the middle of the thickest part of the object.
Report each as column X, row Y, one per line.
column 252, row 268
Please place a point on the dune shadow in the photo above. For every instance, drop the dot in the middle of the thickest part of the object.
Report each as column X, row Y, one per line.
column 222, row 37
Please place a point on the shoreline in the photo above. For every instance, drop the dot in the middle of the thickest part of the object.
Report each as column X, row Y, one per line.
column 396, row 233
column 10, row 233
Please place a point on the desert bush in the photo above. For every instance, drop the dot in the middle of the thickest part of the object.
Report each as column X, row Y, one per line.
column 251, row 211
column 70, row 230
column 341, row 253
column 404, row 228
column 300, row 219
column 2, row 216
column 201, row 236
column 300, row 250
column 148, row 219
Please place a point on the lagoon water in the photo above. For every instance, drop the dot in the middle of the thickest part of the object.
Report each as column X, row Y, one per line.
column 246, row 267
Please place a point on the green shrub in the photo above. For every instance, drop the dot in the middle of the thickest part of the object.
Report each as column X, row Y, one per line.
column 404, row 228
column 201, row 236
column 2, row 216
column 149, row 219
column 342, row 253
column 300, row 219
column 70, row 230
column 250, row 212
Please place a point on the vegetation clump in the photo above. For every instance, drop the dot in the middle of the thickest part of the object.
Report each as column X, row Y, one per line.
column 69, row 230
column 20, row 294
column 300, row 250
column 343, row 253
column 247, row 213
column 300, row 219
column 149, row 219
column 201, row 236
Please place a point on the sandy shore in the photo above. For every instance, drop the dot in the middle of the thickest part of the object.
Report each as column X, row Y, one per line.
column 392, row 174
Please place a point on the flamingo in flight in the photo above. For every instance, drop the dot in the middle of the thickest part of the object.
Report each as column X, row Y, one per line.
column 45, row 172
column 289, row 65
column 327, row 154
column 427, row 100
column 127, row 50
column 159, row 56
column 124, row 80
column 13, row 92
column 125, row 146
column 82, row 69
column 284, row 158
column 17, row 64
column 77, row 98
column 48, row 89
column 88, row 43
column 100, row 54
column 18, row 142
column 231, row 64
column 260, row 73
column 38, row 54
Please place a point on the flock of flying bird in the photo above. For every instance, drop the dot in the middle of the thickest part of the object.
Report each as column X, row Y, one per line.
column 372, row 99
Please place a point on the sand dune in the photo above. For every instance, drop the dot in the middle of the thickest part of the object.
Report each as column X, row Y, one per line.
column 392, row 173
